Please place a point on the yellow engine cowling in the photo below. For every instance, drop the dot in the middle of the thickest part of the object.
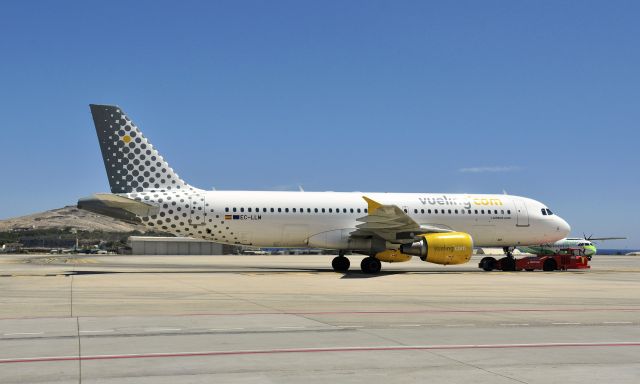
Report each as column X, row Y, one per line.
column 392, row 256
column 441, row 248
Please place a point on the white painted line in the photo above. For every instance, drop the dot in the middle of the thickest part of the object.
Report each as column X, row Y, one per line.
column 566, row 323
column 409, row 325
column 515, row 324
column 290, row 327
column 617, row 322
column 225, row 329
column 460, row 325
column 350, row 326
column 162, row 329
column 24, row 333
column 98, row 331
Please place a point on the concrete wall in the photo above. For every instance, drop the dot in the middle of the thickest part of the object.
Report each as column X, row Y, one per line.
column 141, row 245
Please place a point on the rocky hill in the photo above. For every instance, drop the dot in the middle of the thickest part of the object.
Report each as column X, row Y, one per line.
column 68, row 217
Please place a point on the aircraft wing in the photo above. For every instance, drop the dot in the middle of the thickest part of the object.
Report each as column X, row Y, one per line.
column 606, row 238
column 391, row 223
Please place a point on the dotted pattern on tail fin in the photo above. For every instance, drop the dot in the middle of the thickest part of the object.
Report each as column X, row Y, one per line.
column 132, row 164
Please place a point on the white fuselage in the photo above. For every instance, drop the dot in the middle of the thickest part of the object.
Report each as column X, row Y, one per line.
column 291, row 219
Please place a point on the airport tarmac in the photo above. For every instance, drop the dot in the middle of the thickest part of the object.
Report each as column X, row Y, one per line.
column 290, row 319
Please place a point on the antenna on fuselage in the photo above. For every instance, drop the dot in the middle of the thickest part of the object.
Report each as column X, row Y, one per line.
column 300, row 188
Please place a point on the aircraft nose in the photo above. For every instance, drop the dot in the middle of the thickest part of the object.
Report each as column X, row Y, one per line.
column 562, row 226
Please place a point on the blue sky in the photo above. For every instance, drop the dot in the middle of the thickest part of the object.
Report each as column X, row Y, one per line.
column 538, row 98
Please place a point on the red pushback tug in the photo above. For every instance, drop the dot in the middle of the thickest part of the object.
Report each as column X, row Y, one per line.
column 567, row 258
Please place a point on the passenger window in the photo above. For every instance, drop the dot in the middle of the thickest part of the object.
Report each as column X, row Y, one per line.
column 330, row 210
column 241, row 209
column 435, row 211
column 344, row 210
column 279, row 209
column 365, row 210
column 428, row 211
column 322, row 210
column 495, row 211
column 294, row 210
column 308, row 210
column 508, row 211
column 476, row 211
column 316, row 210
column 449, row 211
column 351, row 210
column 234, row 209
column 405, row 211
column 415, row 211
column 456, row 211
column 502, row 211
column 271, row 209
column 249, row 209
column 226, row 209
column 422, row 211
column 482, row 211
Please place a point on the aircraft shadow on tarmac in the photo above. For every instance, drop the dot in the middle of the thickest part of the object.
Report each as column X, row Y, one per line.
column 349, row 275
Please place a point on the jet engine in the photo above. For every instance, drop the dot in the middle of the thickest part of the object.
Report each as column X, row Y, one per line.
column 441, row 248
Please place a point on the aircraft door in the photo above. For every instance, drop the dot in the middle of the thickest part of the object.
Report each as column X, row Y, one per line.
column 522, row 214
column 197, row 210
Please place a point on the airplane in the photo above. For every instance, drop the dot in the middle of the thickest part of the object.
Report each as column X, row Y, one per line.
column 440, row 228
column 584, row 243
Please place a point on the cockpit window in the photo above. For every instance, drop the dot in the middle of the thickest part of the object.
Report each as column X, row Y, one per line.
column 549, row 212
column 544, row 212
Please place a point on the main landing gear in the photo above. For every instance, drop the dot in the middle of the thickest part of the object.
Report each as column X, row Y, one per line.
column 370, row 265
column 508, row 264
column 340, row 263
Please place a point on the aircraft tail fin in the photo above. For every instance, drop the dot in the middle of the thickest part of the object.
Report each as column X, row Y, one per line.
column 132, row 163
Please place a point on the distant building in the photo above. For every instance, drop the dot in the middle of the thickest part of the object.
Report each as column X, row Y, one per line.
column 144, row 245
column 22, row 229
column 11, row 247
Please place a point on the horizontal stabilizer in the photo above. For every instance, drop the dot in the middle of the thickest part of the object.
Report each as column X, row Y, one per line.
column 118, row 207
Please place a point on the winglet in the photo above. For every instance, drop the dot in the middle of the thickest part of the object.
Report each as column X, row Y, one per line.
column 373, row 205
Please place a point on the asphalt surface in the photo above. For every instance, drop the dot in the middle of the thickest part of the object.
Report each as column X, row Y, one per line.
column 289, row 319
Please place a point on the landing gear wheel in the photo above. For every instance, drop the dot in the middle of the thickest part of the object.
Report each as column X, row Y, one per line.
column 340, row 264
column 370, row 265
column 549, row 265
column 488, row 264
column 508, row 264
